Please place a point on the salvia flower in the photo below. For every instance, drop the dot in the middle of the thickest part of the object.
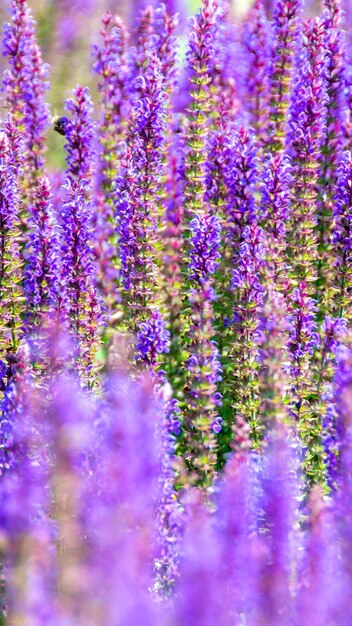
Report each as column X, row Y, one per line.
column 332, row 145
column 280, row 514
column 303, row 341
column 273, row 358
column 336, row 83
column 257, row 42
column 42, row 261
column 240, row 176
column 78, row 302
column 25, row 82
column 275, row 213
column 80, row 135
column 152, row 338
column 204, row 247
column 170, row 521
column 137, row 188
column 143, row 45
column 342, row 238
column 166, row 45
column 112, row 68
column 248, row 296
column 302, row 332
column 331, row 332
column 285, row 32
column 172, row 247
column 199, row 59
column 307, row 131
column 202, row 397
column 316, row 601
column 11, row 267
column 336, row 426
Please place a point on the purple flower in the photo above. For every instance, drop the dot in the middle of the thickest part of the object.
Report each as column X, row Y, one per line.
column 143, row 46
column 112, row 68
column 110, row 61
column 200, row 602
column 337, row 427
column 170, row 520
column 201, row 419
column 257, row 41
column 137, row 186
column 275, row 214
column 286, row 21
column 250, row 258
column 204, row 247
column 42, row 258
column 302, row 328
column 78, row 303
column 172, row 244
column 273, row 358
column 248, row 297
column 203, row 364
column 336, row 84
column 24, row 83
column 80, row 135
column 342, row 238
column 166, row 45
column 240, row 176
column 199, row 60
column 332, row 144
column 152, row 338
column 307, row 131
column 304, row 346
column 11, row 270
column 13, row 405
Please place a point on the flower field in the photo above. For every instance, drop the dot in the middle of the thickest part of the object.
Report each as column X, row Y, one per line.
column 176, row 315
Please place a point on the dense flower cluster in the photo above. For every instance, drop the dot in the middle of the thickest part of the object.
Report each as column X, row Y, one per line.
column 175, row 320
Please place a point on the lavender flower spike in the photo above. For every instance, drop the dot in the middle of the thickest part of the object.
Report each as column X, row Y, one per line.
column 11, row 270
column 79, row 305
column 152, row 339
column 257, row 43
column 307, row 129
column 138, row 185
column 333, row 141
column 201, row 51
column 275, row 213
column 80, row 136
column 112, row 68
column 342, row 240
column 42, row 258
column 274, row 381
column 303, row 342
column 202, row 420
column 248, row 301
column 286, row 23
column 24, row 83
